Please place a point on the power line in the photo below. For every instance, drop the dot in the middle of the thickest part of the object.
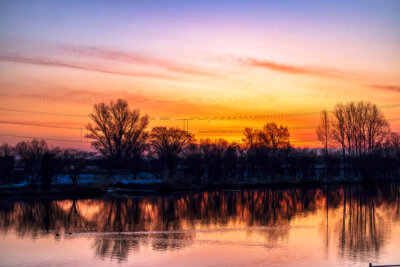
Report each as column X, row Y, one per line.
column 304, row 141
column 241, row 131
column 41, row 125
column 289, row 128
column 40, row 138
column 45, row 112
column 390, row 106
column 185, row 123
column 77, row 141
column 189, row 100
column 207, row 118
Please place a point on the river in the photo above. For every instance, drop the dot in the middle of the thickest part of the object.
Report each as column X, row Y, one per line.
column 314, row 226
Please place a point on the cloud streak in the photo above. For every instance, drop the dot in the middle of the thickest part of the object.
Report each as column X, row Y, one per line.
column 385, row 87
column 133, row 58
column 64, row 64
column 290, row 69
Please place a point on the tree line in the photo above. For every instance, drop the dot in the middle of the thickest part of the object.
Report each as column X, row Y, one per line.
column 361, row 132
column 356, row 138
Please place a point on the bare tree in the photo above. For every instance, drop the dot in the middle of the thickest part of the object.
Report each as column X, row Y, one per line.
column 324, row 131
column 339, row 128
column 274, row 136
column 168, row 143
column 6, row 163
column 49, row 166
column 39, row 160
column 377, row 128
column 251, row 137
column 251, row 147
column 365, row 128
column 6, row 150
column 213, row 153
column 266, row 148
column 139, row 147
column 391, row 155
column 270, row 136
column 360, row 128
column 31, row 153
column 75, row 162
column 394, row 142
column 118, row 132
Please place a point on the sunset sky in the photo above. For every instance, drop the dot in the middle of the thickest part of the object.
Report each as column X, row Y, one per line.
column 224, row 65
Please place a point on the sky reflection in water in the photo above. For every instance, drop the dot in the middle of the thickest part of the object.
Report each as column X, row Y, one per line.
column 334, row 226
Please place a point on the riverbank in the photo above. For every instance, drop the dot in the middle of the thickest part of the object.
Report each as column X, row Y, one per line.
column 157, row 188
column 64, row 190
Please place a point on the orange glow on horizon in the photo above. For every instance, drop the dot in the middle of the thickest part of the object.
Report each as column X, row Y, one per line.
column 176, row 68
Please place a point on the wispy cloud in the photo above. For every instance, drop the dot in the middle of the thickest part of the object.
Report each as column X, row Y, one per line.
column 134, row 57
column 61, row 94
column 290, row 69
column 59, row 63
column 385, row 87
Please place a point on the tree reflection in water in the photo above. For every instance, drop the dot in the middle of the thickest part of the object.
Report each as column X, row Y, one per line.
column 364, row 213
column 355, row 214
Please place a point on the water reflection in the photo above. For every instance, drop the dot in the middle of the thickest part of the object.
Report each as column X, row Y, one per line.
column 353, row 216
column 362, row 225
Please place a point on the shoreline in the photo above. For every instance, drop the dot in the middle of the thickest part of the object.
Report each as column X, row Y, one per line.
column 159, row 189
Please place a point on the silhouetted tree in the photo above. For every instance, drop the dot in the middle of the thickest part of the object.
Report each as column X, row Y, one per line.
column 339, row 129
column 219, row 158
column 389, row 156
column 6, row 150
column 75, row 162
column 251, row 137
column 366, row 128
column 231, row 160
column 267, row 148
column 301, row 163
column 393, row 143
column 141, row 145
column 193, row 162
column 6, row 163
column 324, row 131
column 274, row 136
column 212, row 155
column 361, row 129
column 253, row 157
column 168, row 144
column 40, row 162
column 49, row 165
column 118, row 132
column 31, row 153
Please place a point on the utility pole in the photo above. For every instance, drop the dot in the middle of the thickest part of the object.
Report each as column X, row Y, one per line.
column 185, row 124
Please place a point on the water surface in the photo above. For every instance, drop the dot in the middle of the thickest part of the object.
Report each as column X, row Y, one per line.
column 325, row 226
